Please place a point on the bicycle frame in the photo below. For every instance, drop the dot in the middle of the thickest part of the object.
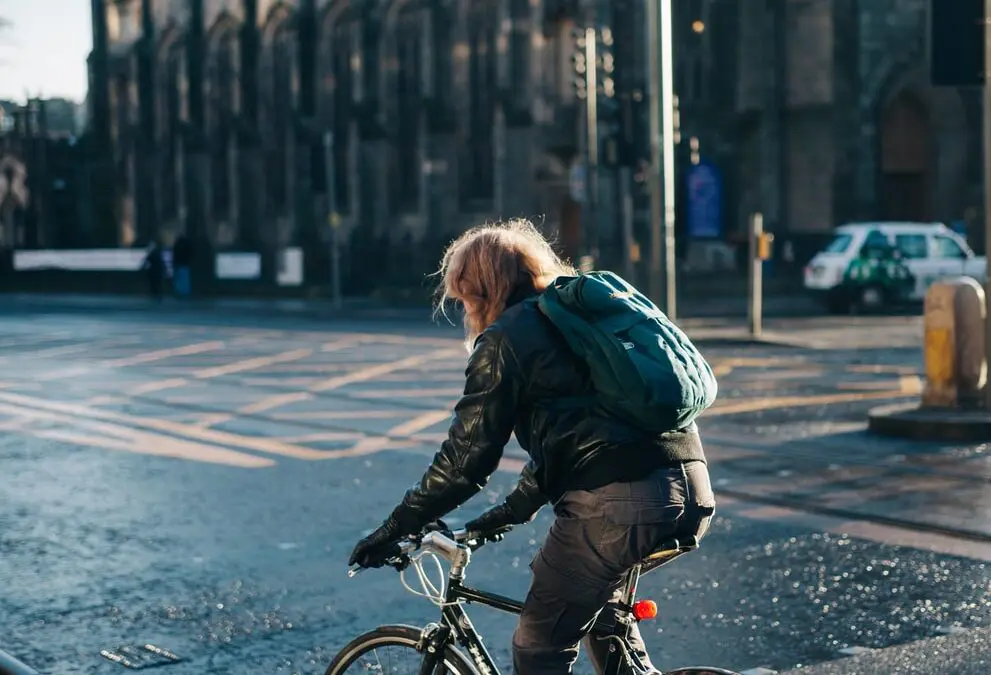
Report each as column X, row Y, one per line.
column 456, row 629
column 456, row 626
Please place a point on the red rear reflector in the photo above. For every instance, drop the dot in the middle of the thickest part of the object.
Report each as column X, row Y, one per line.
column 644, row 609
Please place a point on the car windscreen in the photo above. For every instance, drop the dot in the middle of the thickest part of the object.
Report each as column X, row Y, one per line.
column 839, row 244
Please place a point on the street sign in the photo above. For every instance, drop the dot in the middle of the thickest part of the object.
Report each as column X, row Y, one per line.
column 705, row 201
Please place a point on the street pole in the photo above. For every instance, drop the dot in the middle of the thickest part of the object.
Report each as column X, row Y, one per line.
column 986, row 119
column 333, row 219
column 655, row 286
column 755, row 308
column 667, row 136
column 592, row 143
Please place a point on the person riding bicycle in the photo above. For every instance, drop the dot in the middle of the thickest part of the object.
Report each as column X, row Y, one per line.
column 618, row 492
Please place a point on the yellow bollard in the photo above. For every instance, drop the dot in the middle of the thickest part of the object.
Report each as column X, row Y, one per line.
column 953, row 344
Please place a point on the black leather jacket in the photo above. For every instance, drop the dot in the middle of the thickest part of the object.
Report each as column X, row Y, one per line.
column 522, row 377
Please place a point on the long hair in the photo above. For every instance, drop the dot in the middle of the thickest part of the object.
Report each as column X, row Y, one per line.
column 489, row 264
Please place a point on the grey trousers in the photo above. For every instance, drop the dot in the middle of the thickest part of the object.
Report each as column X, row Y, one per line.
column 597, row 536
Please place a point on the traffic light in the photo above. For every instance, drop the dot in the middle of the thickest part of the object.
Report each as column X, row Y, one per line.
column 956, row 42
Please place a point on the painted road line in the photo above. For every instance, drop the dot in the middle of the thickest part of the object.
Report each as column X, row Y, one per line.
column 733, row 406
column 340, row 415
column 162, row 354
column 371, row 372
column 276, row 401
column 132, row 440
column 251, row 364
column 420, row 422
column 213, row 436
column 186, row 430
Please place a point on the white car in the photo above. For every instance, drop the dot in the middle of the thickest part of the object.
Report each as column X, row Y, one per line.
column 929, row 251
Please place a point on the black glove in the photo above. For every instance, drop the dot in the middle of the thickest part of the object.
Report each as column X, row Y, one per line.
column 376, row 549
column 495, row 518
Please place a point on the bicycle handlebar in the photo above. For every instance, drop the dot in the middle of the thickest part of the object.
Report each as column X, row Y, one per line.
column 440, row 543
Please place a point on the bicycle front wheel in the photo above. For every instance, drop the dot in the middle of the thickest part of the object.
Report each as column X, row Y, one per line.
column 391, row 650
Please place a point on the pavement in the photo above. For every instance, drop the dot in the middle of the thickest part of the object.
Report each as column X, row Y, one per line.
column 195, row 480
column 716, row 306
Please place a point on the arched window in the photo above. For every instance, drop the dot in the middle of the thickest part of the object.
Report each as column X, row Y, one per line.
column 408, row 109
column 221, row 106
column 478, row 186
column 279, row 108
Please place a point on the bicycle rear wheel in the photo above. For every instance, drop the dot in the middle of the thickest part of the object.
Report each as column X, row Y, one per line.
column 391, row 650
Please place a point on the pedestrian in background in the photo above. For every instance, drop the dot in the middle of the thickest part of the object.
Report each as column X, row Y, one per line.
column 182, row 259
column 154, row 268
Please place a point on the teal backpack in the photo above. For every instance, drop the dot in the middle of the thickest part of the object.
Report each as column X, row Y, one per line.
column 644, row 369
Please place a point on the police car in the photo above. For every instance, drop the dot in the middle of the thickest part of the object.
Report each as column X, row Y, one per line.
column 871, row 265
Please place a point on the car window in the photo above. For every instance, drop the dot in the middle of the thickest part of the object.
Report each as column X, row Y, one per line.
column 912, row 246
column 840, row 244
column 947, row 248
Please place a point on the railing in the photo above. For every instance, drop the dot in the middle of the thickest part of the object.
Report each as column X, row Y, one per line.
column 11, row 666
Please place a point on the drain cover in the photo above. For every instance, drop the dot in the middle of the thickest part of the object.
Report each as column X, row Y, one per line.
column 138, row 658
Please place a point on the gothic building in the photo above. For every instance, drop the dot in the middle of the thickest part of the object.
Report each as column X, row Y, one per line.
column 212, row 116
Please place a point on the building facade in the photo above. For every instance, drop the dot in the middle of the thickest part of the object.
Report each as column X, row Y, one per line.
column 213, row 117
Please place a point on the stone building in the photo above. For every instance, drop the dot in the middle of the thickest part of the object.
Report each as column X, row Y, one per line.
column 211, row 115
column 834, row 119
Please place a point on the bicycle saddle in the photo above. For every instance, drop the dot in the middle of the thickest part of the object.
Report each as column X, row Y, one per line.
column 672, row 548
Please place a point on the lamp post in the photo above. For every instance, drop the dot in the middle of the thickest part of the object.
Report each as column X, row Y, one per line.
column 660, row 61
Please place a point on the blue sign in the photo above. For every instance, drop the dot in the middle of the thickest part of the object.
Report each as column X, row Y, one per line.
column 705, row 201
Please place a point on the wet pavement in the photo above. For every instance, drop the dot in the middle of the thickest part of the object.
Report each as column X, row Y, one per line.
column 197, row 481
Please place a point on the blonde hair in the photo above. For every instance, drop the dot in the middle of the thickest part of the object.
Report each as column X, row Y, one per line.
column 484, row 267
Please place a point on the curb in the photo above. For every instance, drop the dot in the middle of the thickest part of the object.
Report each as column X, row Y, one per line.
column 927, row 424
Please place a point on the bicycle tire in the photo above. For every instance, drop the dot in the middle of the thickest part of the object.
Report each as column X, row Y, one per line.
column 395, row 636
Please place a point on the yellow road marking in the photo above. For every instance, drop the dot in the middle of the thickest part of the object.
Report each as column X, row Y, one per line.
column 251, row 364
column 420, row 422
column 371, row 372
column 341, row 414
column 193, row 432
column 734, row 407
column 275, row 401
column 162, row 354
column 160, row 385
column 208, row 420
column 324, row 437
column 132, row 440
column 422, row 392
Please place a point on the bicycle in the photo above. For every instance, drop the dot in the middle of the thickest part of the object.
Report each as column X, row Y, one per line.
column 437, row 644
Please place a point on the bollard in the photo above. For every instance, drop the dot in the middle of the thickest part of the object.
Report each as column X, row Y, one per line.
column 11, row 666
column 953, row 344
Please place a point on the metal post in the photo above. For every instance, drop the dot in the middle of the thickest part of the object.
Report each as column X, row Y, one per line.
column 986, row 118
column 654, row 174
column 755, row 279
column 592, row 143
column 667, row 136
column 333, row 219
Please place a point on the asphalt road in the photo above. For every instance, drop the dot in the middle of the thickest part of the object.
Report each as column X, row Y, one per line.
column 197, row 481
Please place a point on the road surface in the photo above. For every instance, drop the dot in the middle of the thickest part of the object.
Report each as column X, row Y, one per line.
column 196, row 481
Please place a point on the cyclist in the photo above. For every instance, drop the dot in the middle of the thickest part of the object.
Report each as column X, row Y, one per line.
column 618, row 492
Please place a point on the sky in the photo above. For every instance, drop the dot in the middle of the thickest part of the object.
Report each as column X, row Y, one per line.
column 44, row 52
